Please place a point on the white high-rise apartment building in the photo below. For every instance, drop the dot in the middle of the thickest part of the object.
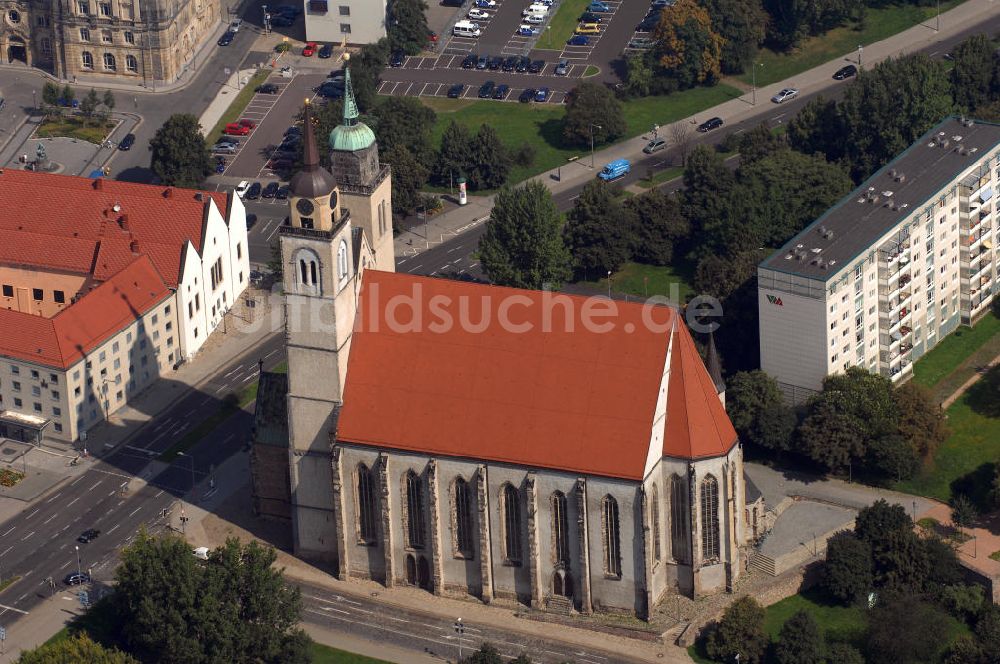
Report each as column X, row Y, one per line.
column 890, row 270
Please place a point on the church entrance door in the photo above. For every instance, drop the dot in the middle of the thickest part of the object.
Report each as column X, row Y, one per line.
column 424, row 573
column 411, row 570
column 17, row 50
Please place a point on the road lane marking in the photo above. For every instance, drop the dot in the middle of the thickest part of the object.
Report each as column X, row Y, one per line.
column 65, row 565
column 276, row 350
column 75, row 481
column 113, row 529
column 158, row 493
column 95, row 485
column 73, row 501
column 134, row 511
column 6, row 550
column 25, row 538
column 9, row 531
column 49, row 519
column 33, row 513
column 53, row 497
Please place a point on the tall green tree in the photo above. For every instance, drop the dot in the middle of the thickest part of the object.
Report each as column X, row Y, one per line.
column 108, row 100
column 741, row 630
column 409, row 175
column 847, row 572
column 75, row 649
column 758, row 411
column 366, row 69
column 708, row 184
column 907, row 630
column 800, row 641
column 236, row 608
column 660, row 226
column 600, row 231
column 741, row 24
column 487, row 654
column 972, row 73
column 456, row 153
column 818, row 128
column 89, row 105
column 843, row 653
column 491, row 160
column 921, row 420
column 830, row 434
column 180, row 157
column 591, row 107
column 688, row 50
column 50, row 94
column 404, row 121
column 523, row 245
column 406, row 23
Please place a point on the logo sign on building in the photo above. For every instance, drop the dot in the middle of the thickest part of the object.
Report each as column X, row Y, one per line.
column 775, row 300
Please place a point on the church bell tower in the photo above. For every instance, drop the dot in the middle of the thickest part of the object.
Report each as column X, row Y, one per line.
column 320, row 284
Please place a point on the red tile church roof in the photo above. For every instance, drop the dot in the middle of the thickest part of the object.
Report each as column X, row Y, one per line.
column 581, row 401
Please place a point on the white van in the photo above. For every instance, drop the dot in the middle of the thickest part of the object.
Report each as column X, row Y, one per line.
column 466, row 29
column 535, row 9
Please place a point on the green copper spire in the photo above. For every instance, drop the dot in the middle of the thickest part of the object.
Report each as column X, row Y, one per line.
column 351, row 135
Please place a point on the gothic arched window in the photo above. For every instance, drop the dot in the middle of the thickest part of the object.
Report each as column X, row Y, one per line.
column 560, row 529
column 709, row 518
column 414, row 511
column 303, row 273
column 654, row 515
column 678, row 519
column 612, row 537
column 312, row 273
column 510, row 504
column 463, row 517
column 367, row 520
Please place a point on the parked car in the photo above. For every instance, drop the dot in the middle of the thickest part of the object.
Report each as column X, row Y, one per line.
column 845, row 72
column 241, row 188
column 236, row 129
column 588, row 29
column 224, row 148
column 235, row 25
column 591, row 17
column 249, row 124
column 482, row 62
column 534, row 19
column 618, row 168
column 598, row 6
column 227, row 38
column 282, row 21
column 455, row 91
column 267, row 89
column 523, row 64
column 282, row 193
column 88, row 536
column 201, row 553
column 663, row 3
column 325, row 51
column 128, row 140
column 562, row 69
column 710, row 124
column 469, row 61
column 253, row 193
column 510, row 63
column 287, row 72
column 310, row 49
column 578, row 40
column 542, row 94
column 527, row 95
column 655, row 145
column 331, row 90
column 397, row 59
column 76, row 578
column 288, row 10
column 648, row 24
column 500, row 92
column 525, row 30
column 536, row 66
column 270, row 191
column 495, row 63
column 478, row 14
column 784, row 95
column 485, row 3
column 228, row 140
column 220, row 165
column 641, row 42
column 486, row 89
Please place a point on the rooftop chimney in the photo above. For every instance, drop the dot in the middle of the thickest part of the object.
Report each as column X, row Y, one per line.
column 98, row 184
column 168, row 192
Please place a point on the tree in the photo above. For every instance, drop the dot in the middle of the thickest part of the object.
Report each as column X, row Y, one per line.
column 818, row 128
column 486, row 654
column 988, row 631
column 366, row 68
column 404, row 122
column 491, row 162
column 660, row 226
column 275, row 264
column 829, row 434
column 757, row 143
column 75, row 648
column 523, row 244
column 50, row 94
column 964, row 601
column 409, row 175
column 972, row 73
column 599, row 230
column 964, row 650
column 741, row 24
column 68, row 95
column 906, row 631
column 963, row 512
column 688, row 50
column 800, row 641
column 407, row 25
column 921, row 420
column 720, row 276
column 877, row 522
column 455, row 154
column 753, row 400
column 638, row 75
column 235, row 608
column 109, row 101
column 591, row 107
column 843, row 653
column 89, row 104
column 708, row 183
column 741, row 630
column 681, row 135
column 180, row 157
column 847, row 573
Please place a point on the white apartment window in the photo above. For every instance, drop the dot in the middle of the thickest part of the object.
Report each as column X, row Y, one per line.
column 345, row 28
column 84, row 34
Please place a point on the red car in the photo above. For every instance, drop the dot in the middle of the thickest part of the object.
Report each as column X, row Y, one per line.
column 309, row 49
column 236, row 129
column 249, row 124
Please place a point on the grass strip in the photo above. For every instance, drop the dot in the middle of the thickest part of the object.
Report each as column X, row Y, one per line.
column 322, row 654
column 238, row 105
column 561, row 26
column 954, row 350
column 73, row 127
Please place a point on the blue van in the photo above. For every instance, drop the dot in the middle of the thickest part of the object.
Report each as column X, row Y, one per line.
column 616, row 169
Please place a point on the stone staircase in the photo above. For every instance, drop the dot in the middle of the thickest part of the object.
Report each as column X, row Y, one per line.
column 763, row 563
column 560, row 605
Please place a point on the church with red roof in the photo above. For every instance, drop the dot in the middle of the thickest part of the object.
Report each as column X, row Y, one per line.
column 104, row 287
column 522, row 447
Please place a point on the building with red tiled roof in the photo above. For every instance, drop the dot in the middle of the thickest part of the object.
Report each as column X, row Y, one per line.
column 518, row 446
column 97, row 268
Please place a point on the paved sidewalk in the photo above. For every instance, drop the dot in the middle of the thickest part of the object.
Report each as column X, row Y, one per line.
column 40, row 624
column 456, row 221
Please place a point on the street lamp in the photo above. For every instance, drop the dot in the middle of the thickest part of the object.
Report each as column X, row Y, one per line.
column 34, row 100
column 592, row 125
column 190, row 456
column 755, row 65
column 860, row 49
column 79, row 567
column 459, row 630
column 609, row 284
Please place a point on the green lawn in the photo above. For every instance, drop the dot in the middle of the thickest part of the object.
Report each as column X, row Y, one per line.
column 561, row 26
column 839, row 42
column 541, row 124
column 95, row 132
column 946, row 358
column 648, row 280
column 326, row 655
column 238, row 105
column 974, row 444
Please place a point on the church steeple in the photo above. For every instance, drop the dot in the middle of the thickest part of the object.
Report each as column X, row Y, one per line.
column 313, row 181
column 351, row 135
column 350, row 106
